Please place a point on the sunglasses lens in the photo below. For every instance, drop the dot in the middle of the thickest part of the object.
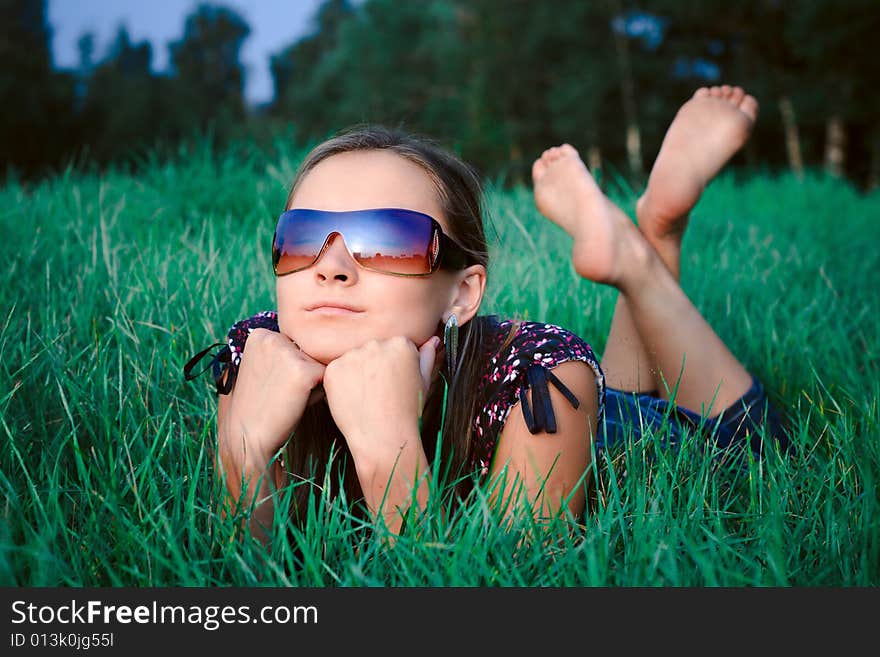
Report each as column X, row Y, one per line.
column 386, row 240
column 391, row 241
column 298, row 239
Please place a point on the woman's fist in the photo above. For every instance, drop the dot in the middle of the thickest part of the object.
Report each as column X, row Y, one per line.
column 376, row 392
column 275, row 383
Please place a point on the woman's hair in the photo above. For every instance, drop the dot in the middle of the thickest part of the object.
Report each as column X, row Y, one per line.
column 460, row 194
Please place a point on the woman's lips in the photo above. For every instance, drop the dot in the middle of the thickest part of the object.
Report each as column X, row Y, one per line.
column 334, row 311
column 332, row 308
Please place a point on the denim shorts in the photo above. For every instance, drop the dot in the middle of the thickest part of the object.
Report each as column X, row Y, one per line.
column 629, row 414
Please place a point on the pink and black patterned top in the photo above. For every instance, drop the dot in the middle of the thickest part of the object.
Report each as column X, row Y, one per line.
column 514, row 364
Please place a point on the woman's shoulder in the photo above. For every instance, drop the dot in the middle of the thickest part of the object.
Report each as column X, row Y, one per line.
column 521, row 356
column 519, row 344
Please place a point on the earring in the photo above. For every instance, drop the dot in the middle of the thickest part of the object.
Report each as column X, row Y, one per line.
column 450, row 343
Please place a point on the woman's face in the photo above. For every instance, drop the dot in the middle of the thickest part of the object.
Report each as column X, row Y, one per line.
column 384, row 306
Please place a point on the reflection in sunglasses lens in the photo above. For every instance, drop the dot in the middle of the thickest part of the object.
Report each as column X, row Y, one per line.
column 390, row 241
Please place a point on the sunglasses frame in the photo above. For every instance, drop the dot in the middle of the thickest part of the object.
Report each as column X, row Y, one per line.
column 450, row 255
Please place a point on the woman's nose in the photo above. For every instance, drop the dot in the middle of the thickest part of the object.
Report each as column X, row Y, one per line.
column 335, row 260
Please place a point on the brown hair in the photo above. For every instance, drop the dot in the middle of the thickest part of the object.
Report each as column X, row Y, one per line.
column 318, row 443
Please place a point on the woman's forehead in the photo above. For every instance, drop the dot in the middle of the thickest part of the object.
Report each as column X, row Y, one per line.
column 359, row 180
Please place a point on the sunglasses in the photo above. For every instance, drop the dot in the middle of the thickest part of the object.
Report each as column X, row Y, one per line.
column 386, row 240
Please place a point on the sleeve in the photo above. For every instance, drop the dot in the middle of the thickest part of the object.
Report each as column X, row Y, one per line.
column 228, row 356
column 527, row 363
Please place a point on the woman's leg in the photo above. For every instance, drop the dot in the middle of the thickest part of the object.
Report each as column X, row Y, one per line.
column 704, row 135
column 608, row 248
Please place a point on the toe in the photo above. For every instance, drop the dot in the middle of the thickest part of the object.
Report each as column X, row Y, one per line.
column 538, row 169
column 725, row 91
column 714, row 91
column 736, row 95
column 749, row 106
column 702, row 92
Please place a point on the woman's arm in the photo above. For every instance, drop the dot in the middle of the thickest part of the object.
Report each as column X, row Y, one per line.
column 388, row 483
column 376, row 393
column 235, row 464
column 549, row 466
column 275, row 382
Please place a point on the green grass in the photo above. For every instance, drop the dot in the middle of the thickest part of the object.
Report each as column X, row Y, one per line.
column 110, row 284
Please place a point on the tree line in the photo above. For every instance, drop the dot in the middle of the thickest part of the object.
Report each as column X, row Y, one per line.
column 498, row 80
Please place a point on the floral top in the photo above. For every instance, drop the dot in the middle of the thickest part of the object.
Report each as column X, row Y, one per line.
column 514, row 364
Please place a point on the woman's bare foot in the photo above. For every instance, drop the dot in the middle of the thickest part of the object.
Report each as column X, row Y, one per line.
column 606, row 242
column 705, row 134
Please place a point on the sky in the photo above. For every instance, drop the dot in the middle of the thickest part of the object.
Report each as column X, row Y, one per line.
column 274, row 25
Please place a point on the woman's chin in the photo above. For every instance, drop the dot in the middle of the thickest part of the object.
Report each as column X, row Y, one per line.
column 329, row 347
column 321, row 343
column 322, row 354
column 326, row 344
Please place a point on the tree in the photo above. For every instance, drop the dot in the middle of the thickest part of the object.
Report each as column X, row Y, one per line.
column 535, row 74
column 35, row 102
column 120, row 108
column 208, row 87
column 835, row 42
column 385, row 62
column 302, row 92
column 399, row 64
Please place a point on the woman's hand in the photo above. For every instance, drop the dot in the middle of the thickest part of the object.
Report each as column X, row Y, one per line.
column 376, row 393
column 275, row 383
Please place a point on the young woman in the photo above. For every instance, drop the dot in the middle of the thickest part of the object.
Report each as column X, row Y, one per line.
column 381, row 265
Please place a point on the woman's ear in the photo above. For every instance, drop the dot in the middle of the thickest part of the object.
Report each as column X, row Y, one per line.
column 468, row 293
